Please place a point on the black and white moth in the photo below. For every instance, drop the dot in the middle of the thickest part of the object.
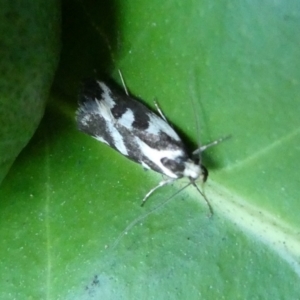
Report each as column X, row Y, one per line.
column 117, row 119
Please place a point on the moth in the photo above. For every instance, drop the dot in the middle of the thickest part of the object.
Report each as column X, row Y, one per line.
column 112, row 116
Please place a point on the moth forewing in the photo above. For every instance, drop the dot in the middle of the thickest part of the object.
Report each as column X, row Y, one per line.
column 117, row 119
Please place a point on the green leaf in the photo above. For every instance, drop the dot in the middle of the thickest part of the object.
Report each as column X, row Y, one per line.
column 29, row 56
column 68, row 199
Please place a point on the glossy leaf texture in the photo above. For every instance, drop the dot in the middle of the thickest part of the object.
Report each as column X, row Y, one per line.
column 232, row 68
column 29, row 54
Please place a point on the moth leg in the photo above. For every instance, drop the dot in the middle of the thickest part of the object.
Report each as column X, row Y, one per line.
column 160, row 112
column 161, row 184
column 216, row 142
column 123, row 82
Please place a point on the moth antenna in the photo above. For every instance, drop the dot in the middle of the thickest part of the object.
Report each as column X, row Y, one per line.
column 197, row 124
column 205, row 198
column 102, row 34
column 123, row 82
column 137, row 220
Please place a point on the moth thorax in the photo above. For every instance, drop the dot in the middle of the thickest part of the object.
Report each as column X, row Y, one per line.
column 194, row 171
column 191, row 170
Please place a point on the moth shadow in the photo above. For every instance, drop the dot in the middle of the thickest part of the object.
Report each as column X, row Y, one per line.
column 207, row 158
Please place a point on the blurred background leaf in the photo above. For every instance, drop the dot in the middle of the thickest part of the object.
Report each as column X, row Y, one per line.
column 29, row 52
column 233, row 66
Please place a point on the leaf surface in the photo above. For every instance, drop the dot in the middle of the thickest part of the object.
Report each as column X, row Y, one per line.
column 68, row 198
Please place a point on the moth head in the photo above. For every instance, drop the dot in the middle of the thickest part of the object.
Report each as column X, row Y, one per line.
column 193, row 170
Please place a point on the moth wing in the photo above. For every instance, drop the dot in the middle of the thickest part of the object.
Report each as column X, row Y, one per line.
column 128, row 126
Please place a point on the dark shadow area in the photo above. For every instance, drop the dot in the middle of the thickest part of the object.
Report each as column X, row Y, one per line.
column 89, row 40
column 207, row 159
